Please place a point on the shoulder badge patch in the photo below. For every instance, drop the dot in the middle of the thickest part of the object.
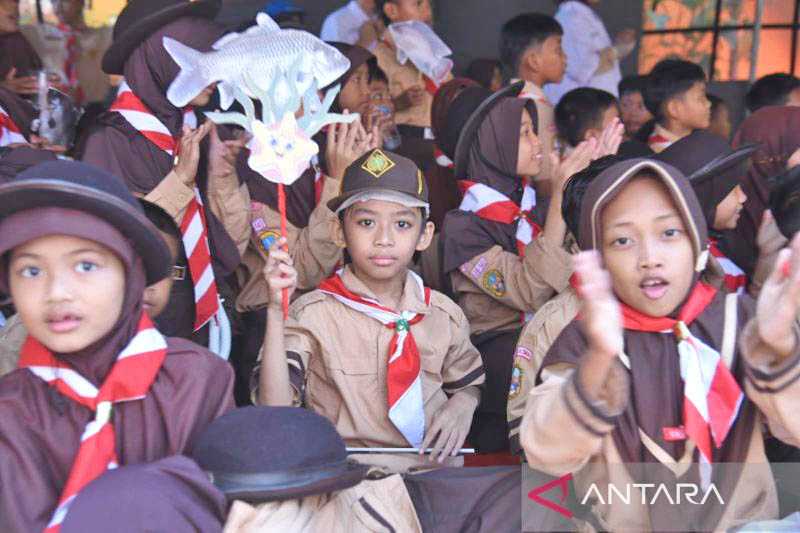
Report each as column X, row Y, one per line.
column 523, row 353
column 516, row 381
column 494, row 283
column 378, row 164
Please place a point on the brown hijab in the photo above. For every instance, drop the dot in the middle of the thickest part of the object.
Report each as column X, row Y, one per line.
column 492, row 162
column 17, row 52
column 777, row 130
column 43, row 428
column 656, row 393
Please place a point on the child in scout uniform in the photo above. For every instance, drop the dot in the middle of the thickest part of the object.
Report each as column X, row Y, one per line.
column 663, row 368
column 97, row 385
column 386, row 359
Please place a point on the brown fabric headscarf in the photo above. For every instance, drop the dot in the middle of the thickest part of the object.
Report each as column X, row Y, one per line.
column 656, row 395
column 777, row 129
column 15, row 160
column 17, row 52
column 492, row 162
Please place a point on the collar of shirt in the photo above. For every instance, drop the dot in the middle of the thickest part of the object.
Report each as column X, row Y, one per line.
column 412, row 299
column 664, row 132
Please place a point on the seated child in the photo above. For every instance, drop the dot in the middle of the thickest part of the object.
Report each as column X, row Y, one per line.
column 633, row 112
column 530, row 49
column 625, row 382
column 773, row 89
column 154, row 300
column 720, row 123
column 387, row 360
column 675, row 94
column 583, row 114
column 78, row 253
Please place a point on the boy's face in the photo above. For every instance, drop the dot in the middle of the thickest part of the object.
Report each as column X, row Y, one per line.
column 355, row 92
column 156, row 296
column 529, row 157
column 9, row 16
column 721, row 122
column 646, row 248
column 692, row 109
column 68, row 291
column 551, row 61
column 729, row 209
column 633, row 112
column 405, row 10
column 381, row 238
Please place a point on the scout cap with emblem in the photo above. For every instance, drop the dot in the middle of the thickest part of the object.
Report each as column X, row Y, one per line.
column 382, row 175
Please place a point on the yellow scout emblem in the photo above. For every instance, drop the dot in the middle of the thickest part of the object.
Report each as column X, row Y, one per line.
column 378, row 164
column 494, row 283
column 419, row 182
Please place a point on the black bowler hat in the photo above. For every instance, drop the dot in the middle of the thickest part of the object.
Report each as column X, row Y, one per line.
column 469, row 131
column 784, row 201
column 140, row 18
column 260, row 454
column 74, row 185
column 457, row 115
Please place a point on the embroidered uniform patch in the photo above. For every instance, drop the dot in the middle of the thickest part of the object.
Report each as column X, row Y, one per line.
column 494, row 283
column 479, row 268
column 378, row 164
column 516, row 381
column 523, row 353
column 268, row 238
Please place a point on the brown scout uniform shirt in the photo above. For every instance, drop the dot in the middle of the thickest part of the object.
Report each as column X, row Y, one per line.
column 556, row 409
column 338, row 364
column 497, row 287
column 314, row 252
column 372, row 505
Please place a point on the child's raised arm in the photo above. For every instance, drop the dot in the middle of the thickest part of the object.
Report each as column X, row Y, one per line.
column 274, row 387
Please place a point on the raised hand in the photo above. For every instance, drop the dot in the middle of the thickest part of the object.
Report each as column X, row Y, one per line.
column 280, row 274
column 342, row 147
column 602, row 319
column 610, row 139
column 222, row 154
column 579, row 159
column 25, row 85
column 779, row 302
column 189, row 152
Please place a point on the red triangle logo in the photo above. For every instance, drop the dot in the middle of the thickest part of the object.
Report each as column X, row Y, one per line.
column 562, row 482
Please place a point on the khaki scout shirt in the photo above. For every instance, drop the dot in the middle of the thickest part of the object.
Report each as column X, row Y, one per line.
column 497, row 288
column 12, row 337
column 338, row 363
column 314, row 252
column 535, row 340
column 556, row 408
column 370, row 506
column 545, row 130
column 401, row 78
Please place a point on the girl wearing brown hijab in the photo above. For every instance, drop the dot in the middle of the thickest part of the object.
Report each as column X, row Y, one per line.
column 500, row 267
column 98, row 385
column 19, row 62
column 143, row 152
column 677, row 376
column 777, row 130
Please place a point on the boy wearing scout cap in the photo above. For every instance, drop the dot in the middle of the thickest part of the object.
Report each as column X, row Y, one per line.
column 386, row 359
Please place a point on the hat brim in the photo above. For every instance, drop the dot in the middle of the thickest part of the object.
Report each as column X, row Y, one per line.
column 287, row 486
column 144, row 237
column 116, row 55
column 344, row 201
column 721, row 165
column 470, row 130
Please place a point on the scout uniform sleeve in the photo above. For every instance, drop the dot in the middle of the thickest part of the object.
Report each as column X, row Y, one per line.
column 230, row 202
column 534, row 342
column 774, row 388
column 559, row 408
column 524, row 284
column 462, row 366
column 172, row 195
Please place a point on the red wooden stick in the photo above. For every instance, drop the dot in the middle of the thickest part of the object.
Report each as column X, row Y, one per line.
column 282, row 209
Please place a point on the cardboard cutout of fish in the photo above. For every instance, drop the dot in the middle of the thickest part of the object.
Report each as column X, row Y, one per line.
column 416, row 41
column 262, row 51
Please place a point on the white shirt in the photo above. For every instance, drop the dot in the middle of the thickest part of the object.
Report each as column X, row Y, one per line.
column 585, row 36
column 344, row 24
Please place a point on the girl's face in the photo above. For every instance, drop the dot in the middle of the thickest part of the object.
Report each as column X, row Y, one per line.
column 68, row 291
column 529, row 157
column 355, row 93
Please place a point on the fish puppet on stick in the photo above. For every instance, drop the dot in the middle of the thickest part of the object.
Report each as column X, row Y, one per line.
column 284, row 70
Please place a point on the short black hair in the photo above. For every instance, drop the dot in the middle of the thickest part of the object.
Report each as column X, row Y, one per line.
column 581, row 109
column 576, row 187
column 716, row 102
column 163, row 222
column 379, row 8
column 376, row 73
column 669, row 79
column 769, row 90
column 522, row 32
column 632, row 84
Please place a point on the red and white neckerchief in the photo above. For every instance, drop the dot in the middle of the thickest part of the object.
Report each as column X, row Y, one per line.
column 711, row 395
column 129, row 379
column 194, row 227
column 492, row 205
column 404, row 370
column 735, row 278
column 10, row 133
column 70, row 66
column 441, row 159
column 658, row 143
column 319, row 179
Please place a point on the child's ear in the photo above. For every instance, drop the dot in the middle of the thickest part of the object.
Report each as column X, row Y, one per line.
column 426, row 236
column 531, row 60
column 337, row 233
column 673, row 108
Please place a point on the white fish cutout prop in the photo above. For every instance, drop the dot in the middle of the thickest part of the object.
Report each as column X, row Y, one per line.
column 262, row 51
column 416, row 41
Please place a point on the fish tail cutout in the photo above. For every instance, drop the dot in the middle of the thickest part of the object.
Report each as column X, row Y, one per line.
column 265, row 22
column 230, row 118
column 189, row 83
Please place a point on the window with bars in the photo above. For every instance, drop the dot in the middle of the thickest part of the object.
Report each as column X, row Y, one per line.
column 722, row 36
